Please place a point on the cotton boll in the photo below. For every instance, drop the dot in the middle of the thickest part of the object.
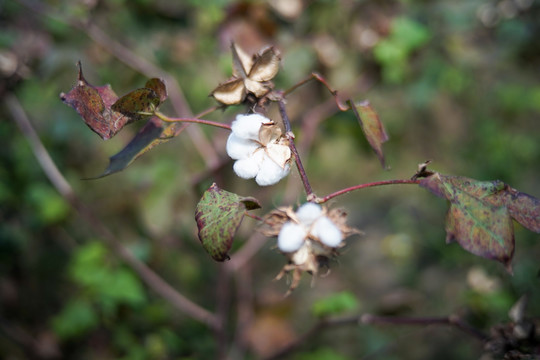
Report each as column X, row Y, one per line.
column 249, row 167
column 328, row 233
column 308, row 213
column 239, row 148
column 270, row 173
column 302, row 255
column 247, row 126
column 291, row 237
column 246, row 168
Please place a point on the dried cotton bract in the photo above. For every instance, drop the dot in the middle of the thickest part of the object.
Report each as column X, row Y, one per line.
column 309, row 237
column 259, row 148
column 251, row 75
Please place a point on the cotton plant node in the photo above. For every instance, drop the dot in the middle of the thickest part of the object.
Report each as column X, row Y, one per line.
column 309, row 237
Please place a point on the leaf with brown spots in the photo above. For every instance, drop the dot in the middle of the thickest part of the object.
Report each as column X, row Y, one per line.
column 137, row 105
column 218, row 215
column 481, row 212
column 159, row 88
column 94, row 105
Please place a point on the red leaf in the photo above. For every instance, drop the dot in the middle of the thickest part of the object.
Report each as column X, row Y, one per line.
column 94, row 105
column 105, row 113
column 372, row 126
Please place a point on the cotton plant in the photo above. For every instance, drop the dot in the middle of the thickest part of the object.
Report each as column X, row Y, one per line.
column 259, row 148
column 480, row 217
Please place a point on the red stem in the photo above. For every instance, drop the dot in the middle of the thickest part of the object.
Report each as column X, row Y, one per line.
column 362, row 186
column 292, row 146
column 193, row 120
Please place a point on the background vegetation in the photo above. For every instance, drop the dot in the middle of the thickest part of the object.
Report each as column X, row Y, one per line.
column 456, row 82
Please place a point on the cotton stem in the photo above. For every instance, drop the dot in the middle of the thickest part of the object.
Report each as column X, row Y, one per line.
column 193, row 120
column 294, row 151
column 363, row 186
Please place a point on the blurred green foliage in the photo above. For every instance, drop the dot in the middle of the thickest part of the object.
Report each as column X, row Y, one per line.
column 453, row 81
column 335, row 304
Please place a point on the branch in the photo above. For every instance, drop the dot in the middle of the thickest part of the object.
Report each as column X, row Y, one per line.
column 322, row 324
column 152, row 280
column 451, row 320
column 368, row 319
column 363, row 186
column 290, row 137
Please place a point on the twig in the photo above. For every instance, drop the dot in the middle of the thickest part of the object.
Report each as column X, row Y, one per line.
column 451, row 320
column 192, row 120
column 152, row 280
column 368, row 319
column 322, row 324
column 363, row 186
column 319, row 78
column 290, row 137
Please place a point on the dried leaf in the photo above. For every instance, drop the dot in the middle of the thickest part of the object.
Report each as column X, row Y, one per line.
column 153, row 133
column 105, row 113
column 372, row 126
column 159, row 88
column 231, row 92
column 250, row 75
column 94, row 105
column 478, row 218
column 137, row 105
column 266, row 65
column 269, row 132
column 218, row 215
column 256, row 88
column 242, row 62
column 524, row 208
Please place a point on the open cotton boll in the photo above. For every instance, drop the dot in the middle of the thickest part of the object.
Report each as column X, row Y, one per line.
column 308, row 213
column 249, row 167
column 328, row 233
column 270, row 173
column 239, row 148
column 247, row 126
column 291, row 237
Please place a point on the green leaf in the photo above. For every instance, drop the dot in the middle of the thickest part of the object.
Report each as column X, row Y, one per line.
column 137, row 105
column 335, row 304
column 153, row 133
column 76, row 318
column 410, row 33
column 218, row 215
column 372, row 126
column 477, row 219
column 51, row 206
column 110, row 285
